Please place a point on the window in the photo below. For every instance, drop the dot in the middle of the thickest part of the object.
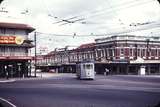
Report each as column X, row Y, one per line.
column 2, row 50
column 159, row 52
column 12, row 51
column 10, row 31
column 110, row 52
column 113, row 52
column 152, row 52
column 122, row 51
column 138, row 52
column 156, row 52
column 106, row 52
column 99, row 53
column 102, row 53
column 3, row 31
column 130, row 52
column 88, row 66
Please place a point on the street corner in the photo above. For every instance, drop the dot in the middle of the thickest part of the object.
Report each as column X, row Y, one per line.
column 7, row 80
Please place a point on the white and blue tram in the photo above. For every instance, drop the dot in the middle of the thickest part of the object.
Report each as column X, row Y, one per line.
column 85, row 70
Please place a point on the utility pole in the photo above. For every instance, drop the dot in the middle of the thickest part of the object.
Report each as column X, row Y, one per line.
column 35, row 52
column 136, row 53
column 148, row 50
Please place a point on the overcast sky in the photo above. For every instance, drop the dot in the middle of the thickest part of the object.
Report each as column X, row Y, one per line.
column 97, row 17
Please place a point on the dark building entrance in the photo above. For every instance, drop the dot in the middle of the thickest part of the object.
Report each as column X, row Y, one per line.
column 12, row 68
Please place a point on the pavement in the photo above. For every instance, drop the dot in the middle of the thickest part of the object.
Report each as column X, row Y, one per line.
column 39, row 75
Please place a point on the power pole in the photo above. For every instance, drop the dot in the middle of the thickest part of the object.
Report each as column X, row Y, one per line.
column 35, row 53
column 148, row 50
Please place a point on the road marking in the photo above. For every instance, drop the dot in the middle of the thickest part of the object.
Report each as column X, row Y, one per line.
column 8, row 102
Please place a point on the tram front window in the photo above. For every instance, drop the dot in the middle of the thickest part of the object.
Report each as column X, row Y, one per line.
column 89, row 66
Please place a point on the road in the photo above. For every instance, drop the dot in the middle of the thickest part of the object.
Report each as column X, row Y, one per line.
column 66, row 91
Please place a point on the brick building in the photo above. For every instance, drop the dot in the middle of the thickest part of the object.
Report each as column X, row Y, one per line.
column 128, row 54
column 121, row 54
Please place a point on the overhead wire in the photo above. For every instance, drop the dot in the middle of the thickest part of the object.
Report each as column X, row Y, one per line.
column 125, row 6
column 121, row 23
column 105, row 34
column 119, row 9
column 108, row 10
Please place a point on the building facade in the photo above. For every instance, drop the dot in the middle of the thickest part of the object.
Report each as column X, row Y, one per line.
column 129, row 54
column 121, row 54
column 14, row 49
column 64, row 60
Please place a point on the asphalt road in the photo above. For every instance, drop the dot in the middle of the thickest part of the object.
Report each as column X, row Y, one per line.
column 66, row 91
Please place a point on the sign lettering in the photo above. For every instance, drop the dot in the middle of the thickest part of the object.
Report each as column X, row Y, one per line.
column 11, row 40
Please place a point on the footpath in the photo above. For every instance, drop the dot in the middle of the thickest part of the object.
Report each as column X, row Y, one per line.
column 39, row 75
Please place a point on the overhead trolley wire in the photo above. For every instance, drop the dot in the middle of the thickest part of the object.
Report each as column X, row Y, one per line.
column 105, row 34
column 107, row 11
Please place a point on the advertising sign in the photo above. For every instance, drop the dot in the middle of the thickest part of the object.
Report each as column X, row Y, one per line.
column 11, row 40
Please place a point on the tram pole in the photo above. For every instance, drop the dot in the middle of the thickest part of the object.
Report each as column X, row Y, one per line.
column 35, row 52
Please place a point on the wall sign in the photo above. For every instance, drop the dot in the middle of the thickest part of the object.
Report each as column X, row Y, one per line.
column 11, row 40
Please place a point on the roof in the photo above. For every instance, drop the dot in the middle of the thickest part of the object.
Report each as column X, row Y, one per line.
column 16, row 26
column 88, row 45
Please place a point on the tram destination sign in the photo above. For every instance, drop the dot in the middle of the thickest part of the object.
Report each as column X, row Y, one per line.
column 11, row 40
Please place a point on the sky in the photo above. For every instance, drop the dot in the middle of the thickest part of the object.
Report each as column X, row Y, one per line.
column 95, row 19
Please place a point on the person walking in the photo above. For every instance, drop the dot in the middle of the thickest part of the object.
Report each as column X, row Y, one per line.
column 107, row 71
column 6, row 71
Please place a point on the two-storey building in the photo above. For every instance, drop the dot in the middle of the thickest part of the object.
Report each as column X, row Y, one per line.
column 121, row 54
column 129, row 54
column 14, row 49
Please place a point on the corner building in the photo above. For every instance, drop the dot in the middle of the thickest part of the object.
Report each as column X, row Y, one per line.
column 15, row 60
column 128, row 54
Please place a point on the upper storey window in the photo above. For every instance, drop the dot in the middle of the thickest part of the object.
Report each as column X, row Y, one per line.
column 2, row 31
column 13, row 32
column 122, row 51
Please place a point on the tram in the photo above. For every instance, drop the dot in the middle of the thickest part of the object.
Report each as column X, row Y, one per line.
column 85, row 70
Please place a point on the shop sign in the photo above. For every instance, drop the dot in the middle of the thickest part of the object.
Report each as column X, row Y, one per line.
column 11, row 40
column 19, row 40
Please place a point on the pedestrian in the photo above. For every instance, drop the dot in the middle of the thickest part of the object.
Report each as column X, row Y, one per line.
column 7, row 73
column 107, row 71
